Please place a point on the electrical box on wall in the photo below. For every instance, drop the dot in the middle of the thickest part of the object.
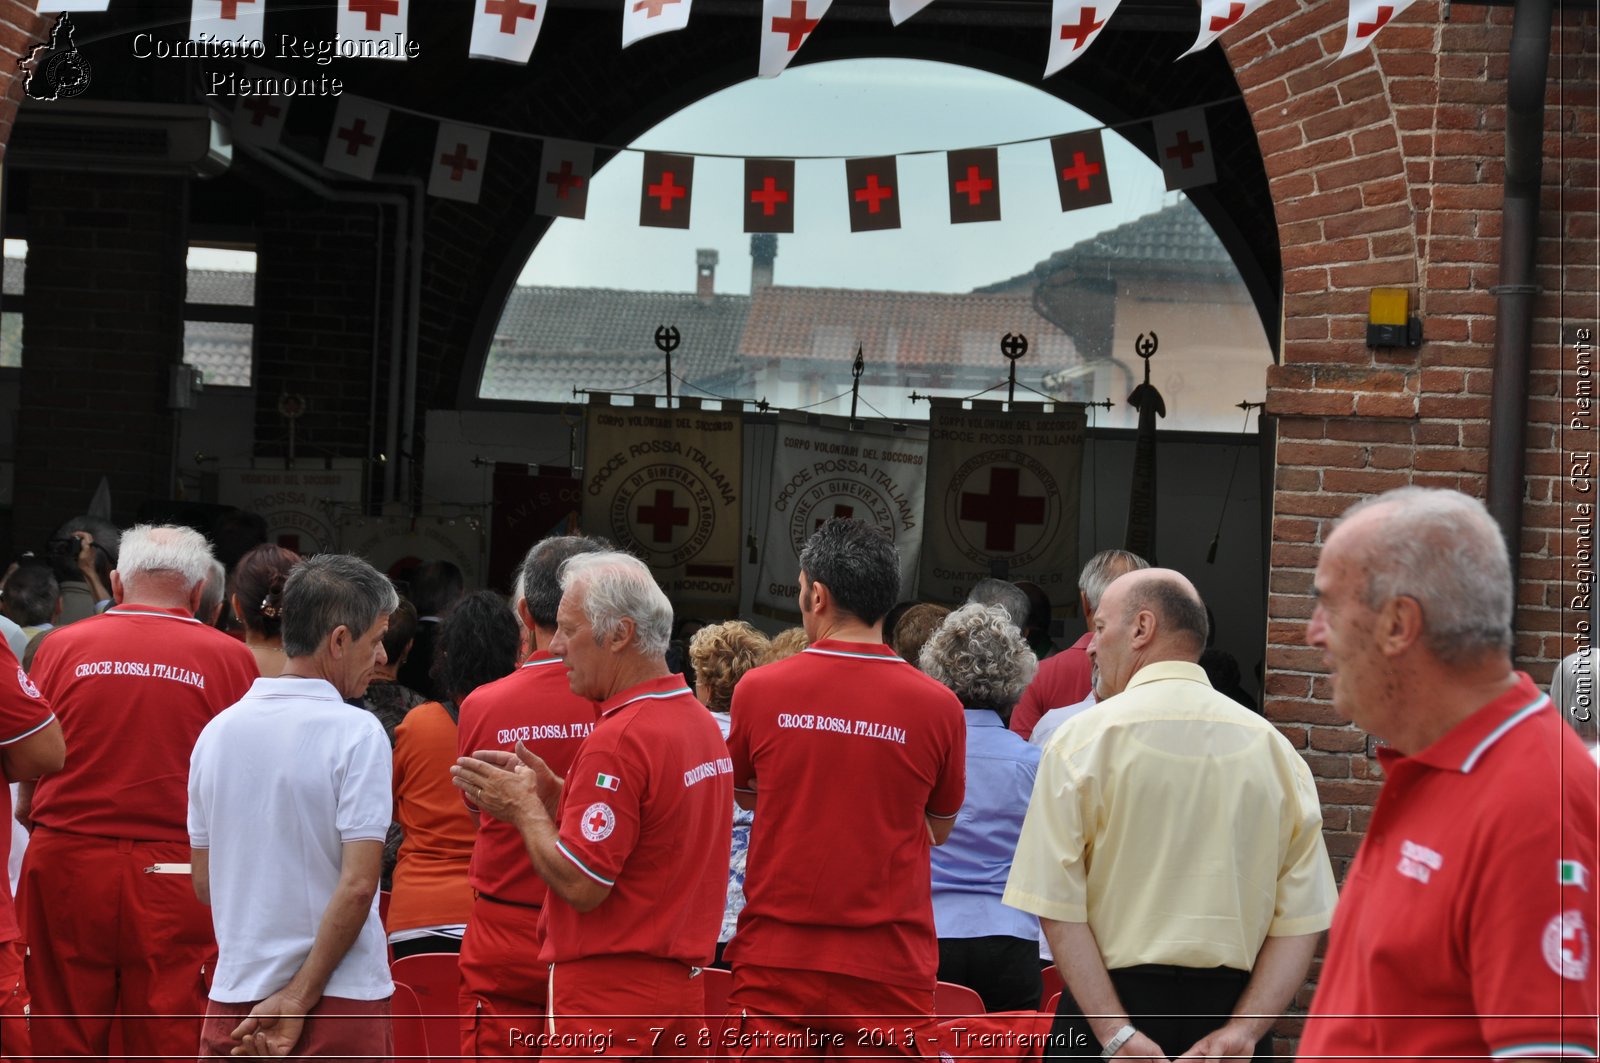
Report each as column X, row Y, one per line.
column 1389, row 319
column 183, row 384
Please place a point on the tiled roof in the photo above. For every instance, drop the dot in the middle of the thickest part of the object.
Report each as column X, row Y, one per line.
column 221, row 350
column 1174, row 239
column 230, row 287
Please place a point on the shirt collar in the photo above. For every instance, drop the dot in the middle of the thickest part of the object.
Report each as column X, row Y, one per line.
column 294, row 687
column 1083, row 641
column 538, row 657
column 135, row 609
column 983, row 718
column 1160, row 670
column 839, row 647
column 667, row 686
column 1465, row 744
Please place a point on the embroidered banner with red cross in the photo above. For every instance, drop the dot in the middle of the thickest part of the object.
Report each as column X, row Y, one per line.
column 900, row 10
column 506, row 29
column 1002, row 497
column 459, row 155
column 381, row 22
column 785, row 26
column 565, row 167
column 1367, row 17
column 1074, row 25
column 974, row 185
column 826, row 467
column 1080, row 164
column 227, row 20
column 664, row 485
column 646, row 18
column 874, row 189
column 1218, row 16
column 356, row 137
column 1184, row 149
column 769, row 195
column 665, row 191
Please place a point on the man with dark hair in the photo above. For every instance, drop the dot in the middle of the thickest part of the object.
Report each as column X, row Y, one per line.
column 822, row 944
column 1006, row 596
column 1172, row 849
column 502, row 980
column 303, row 966
column 436, row 587
column 31, row 599
column 83, row 552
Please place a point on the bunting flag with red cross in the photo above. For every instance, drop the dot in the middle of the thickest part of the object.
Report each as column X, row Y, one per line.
column 1184, row 149
column 1367, row 17
column 646, row 18
column 565, row 167
column 506, row 29
column 769, row 195
column 356, row 137
column 1080, row 164
column 785, row 26
column 459, row 156
column 1217, row 16
column 974, row 185
column 378, row 21
column 900, row 10
column 232, row 20
column 1074, row 24
column 874, row 187
column 259, row 119
column 666, row 191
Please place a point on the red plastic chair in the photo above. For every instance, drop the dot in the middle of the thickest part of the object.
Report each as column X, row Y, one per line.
column 1051, row 1004
column 435, row 977
column 951, row 1000
column 1051, row 978
column 410, row 1031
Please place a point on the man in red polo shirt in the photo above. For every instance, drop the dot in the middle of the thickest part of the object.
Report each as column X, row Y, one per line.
column 634, row 842
column 133, row 687
column 1466, row 928
column 854, row 762
column 502, row 980
column 1065, row 678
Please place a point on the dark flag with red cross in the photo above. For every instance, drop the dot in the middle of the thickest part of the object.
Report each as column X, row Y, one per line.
column 1184, row 149
column 1218, row 16
column 565, row 167
column 240, row 21
column 665, row 192
column 769, row 195
column 376, row 21
column 1074, row 24
column 506, row 29
column 785, row 26
column 1080, row 162
column 646, row 18
column 356, row 137
column 459, row 155
column 1366, row 18
column 974, row 184
column 874, row 188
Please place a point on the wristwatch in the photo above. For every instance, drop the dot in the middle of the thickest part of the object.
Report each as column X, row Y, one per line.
column 1118, row 1039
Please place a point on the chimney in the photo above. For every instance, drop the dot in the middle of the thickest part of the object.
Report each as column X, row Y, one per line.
column 763, row 252
column 705, row 284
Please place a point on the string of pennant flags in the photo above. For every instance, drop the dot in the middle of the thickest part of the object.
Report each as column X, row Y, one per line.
column 507, row 30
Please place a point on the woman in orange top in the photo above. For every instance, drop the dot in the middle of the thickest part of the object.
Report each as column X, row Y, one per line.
column 428, row 911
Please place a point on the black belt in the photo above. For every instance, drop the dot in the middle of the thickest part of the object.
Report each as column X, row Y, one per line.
column 509, row 904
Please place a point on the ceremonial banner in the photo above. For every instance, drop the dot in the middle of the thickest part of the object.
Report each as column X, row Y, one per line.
column 646, row 18
column 822, row 469
column 506, row 29
column 303, row 507
column 395, row 546
column 459, row 155
column 529, row 504
column 1002, row 498
column 664, row 485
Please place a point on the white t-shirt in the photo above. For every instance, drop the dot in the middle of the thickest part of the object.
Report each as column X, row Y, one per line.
column 277, row 784
column 1051, row 721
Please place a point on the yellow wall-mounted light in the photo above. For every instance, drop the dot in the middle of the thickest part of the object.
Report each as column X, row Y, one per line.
column 1389, row 320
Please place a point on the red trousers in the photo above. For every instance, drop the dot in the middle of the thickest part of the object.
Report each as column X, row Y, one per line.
column 337, row 1030
column 625, row 1006
column 14, row 1040
column 110, row 943
column 782, row 1014
column 502, row 980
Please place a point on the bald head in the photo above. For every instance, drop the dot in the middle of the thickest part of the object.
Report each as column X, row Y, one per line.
column 1146, row 616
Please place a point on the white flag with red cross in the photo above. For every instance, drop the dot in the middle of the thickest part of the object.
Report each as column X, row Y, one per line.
column 900, row 10
column 1074, row 24
column 459, row 156
column 260, row 119
column 646, row 18
column 378, row 21
column 356, row 137
column 1184, row 149
column 1217, row 16
column 506, row 29
column 562, row 181
column 1367, row 17
column 227, row 20
column 785, row 26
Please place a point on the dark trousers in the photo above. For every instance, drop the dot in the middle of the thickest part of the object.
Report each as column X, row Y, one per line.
column 1173, row 1006
column 1003, row 970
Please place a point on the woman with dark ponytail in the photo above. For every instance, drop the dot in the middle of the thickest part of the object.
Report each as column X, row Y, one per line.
column 257, row 602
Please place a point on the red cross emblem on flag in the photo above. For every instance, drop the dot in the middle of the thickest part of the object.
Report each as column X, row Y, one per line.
column 1003, row 508
column 230, row 8
column 1080, row 32
column 653, row 8
column 667, row 192
column 511, row 13
column 662, row 516
column 374, row 10
column 795, row 25
column 974, row 177
column 1081, row 177
column 874, row 193
column 769, row 195
column 1367, row 29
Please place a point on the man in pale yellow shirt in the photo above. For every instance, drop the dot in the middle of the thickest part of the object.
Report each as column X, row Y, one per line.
column 1172, row 849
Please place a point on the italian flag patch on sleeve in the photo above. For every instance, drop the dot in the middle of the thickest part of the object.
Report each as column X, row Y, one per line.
column 607, row 782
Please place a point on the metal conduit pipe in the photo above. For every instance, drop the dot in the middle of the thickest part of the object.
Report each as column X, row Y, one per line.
column 1518, row 288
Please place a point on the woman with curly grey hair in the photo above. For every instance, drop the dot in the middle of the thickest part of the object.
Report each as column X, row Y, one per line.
column 980, row 655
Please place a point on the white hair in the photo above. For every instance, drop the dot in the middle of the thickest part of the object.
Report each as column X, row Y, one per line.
column 980, row 655
column 164, row 549
column 617, row 586
column 216, row 582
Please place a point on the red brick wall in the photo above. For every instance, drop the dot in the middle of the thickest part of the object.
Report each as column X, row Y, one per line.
column 1386, row 170
column 20, row 27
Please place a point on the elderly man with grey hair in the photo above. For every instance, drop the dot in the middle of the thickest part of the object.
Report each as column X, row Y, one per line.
column 633, row 843
column 1473, row 899
column 289, row 801
column 979, row 653
column 132, row 687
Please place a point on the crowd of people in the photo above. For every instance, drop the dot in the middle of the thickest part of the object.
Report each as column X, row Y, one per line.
column 843, row 814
